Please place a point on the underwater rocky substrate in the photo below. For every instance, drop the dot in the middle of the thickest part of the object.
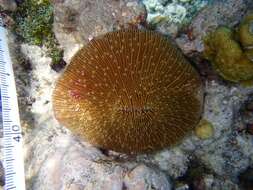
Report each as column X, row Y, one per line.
column 56, row 159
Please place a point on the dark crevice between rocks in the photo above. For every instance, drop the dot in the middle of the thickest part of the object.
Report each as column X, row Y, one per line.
column 194, row 176
column 246, row 179
column 2, row 174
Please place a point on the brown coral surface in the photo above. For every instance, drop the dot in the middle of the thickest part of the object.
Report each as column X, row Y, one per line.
column 130, row 91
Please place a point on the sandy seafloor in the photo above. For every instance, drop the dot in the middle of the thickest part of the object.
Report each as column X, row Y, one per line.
column 55, row 159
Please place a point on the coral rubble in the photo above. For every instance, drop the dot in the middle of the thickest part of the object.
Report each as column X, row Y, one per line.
column 169, row 16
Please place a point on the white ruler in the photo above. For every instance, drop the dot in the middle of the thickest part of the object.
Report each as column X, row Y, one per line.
column 12, row 137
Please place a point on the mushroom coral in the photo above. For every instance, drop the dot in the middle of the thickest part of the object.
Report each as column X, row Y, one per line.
column 129, row 91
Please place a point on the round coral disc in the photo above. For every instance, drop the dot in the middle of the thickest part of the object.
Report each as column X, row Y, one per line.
column 129, row 91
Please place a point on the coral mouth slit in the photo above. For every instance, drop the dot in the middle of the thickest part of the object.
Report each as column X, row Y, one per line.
column 129, row 91
column 136, row 110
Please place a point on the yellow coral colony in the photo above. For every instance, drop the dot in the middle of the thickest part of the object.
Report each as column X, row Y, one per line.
column 130, row 91
column 204, row 129
column 232, row 58
column 245, row 34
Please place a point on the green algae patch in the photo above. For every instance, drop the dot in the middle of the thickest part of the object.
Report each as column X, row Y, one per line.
column 34, row 24
column 230, row 51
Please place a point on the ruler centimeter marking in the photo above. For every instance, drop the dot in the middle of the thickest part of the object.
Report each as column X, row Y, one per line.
column 12, row 136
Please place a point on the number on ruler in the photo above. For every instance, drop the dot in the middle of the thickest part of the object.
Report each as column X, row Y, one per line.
column 17, row 138
column 16, row 128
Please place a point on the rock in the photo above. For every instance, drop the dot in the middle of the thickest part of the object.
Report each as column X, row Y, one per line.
column 42, row 78
column 77, row 22
column 198, row 177
column 21, row 68
column 143, row 177
column 212, row 183
column 221, row 103
column 218, row 13
column 67, row 164
column 174, row 162
column 227, row 152
column 8, row 5
column 182, row 187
